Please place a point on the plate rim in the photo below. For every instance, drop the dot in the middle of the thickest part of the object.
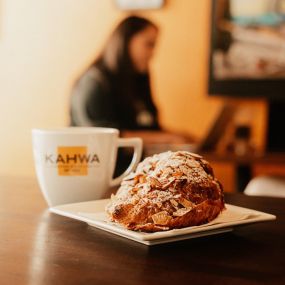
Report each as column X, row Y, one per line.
column 161, row 235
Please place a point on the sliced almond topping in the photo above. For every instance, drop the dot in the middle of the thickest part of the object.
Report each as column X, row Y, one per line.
column 193, row 163
column 135, row 199
column 195, row 155
column 174, row 203
column 185, row 203
column 142, row 179
column 165, row 186
column 161, row 218
column 154, row 182
column 159, row 204
column 150, row 227
column 177, row 174
column 163, row 180
column 153, row 165
column 167, row 171
column 181, row 212
column 113, row 197
column 130, row 176
column 135, row 190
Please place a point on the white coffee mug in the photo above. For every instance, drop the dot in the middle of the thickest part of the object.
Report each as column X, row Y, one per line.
column 77, row 163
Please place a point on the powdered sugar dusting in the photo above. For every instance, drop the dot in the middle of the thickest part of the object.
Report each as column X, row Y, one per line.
column 157, row 177
column 167, row 190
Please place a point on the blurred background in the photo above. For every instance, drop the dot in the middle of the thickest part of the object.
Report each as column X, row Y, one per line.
column 46, row 45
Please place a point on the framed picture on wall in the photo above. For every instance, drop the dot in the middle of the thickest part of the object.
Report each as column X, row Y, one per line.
column 139, row 4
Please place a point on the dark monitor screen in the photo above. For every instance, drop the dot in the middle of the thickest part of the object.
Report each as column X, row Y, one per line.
column 247, row 52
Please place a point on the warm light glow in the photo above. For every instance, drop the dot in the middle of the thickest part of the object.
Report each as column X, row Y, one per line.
column 44, row 45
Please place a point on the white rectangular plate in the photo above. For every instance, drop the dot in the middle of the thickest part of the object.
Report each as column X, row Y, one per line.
column 93, row 213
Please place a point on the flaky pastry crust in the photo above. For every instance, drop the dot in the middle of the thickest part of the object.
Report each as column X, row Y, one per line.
column 167, row 191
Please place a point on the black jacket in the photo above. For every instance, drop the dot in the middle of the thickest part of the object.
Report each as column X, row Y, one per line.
column 96, row 101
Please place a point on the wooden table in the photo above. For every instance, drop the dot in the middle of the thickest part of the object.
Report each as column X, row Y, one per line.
column 244, row 164
column 37, row 247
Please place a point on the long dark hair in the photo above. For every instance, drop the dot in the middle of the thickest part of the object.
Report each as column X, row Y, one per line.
column 115, row 61
column 127, row 87
column 115, row 55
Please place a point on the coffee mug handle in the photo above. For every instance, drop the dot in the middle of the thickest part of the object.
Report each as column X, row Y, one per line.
column 137, row 144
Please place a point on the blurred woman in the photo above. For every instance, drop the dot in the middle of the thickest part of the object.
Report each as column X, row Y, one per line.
column 115, row 90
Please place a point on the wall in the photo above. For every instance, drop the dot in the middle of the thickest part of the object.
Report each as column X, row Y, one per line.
column 44, row 45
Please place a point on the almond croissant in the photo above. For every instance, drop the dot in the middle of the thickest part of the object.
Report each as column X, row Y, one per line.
column 168, row 190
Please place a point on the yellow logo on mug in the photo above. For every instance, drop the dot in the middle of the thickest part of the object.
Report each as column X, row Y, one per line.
column 73, row 160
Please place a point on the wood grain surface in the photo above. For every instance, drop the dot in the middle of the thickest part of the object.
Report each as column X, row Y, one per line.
column 38, row 247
